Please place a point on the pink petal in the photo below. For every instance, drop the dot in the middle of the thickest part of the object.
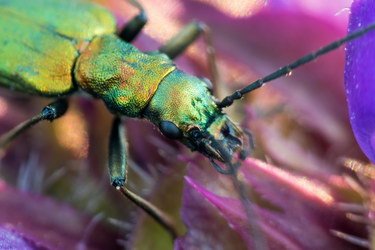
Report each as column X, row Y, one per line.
column 293, row 212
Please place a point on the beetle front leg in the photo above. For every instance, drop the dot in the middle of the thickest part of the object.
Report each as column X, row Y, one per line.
column 135, row 25
column 117, row 154
column 118, row 170
column 188, row 35
column 50, row 112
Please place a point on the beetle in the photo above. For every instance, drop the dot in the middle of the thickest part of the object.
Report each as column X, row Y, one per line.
column 57, row 56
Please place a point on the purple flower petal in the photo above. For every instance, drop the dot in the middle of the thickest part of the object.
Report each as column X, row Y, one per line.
column 286, row 204
column 207, row 229
column 360, row 77
column 33, row 222
column 9, row 239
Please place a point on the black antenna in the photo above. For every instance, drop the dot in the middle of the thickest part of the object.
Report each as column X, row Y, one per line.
column 227, row 101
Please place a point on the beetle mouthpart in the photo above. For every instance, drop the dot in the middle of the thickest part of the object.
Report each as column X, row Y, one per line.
column 213, row 152
column 226, row 136
column 222, row 142
column 206, row 144
column 229, row 169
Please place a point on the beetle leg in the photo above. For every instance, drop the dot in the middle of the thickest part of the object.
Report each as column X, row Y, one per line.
column 251, row 148
column 117, row 171
column 50, row 112
column 177, row 44
column 135, row 25
column 117, row 154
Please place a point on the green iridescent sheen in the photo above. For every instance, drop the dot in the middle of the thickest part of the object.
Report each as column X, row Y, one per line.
column 40, row 41
column 77, row 19
column 53, row 47
column 122, row 76
column 184, row 100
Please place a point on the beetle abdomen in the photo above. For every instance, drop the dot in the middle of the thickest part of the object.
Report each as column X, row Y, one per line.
column 121, row 75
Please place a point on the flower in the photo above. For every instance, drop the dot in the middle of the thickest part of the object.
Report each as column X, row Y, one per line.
column 359, row 80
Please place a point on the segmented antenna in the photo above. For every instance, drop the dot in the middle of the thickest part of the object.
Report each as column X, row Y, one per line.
column 227, row 101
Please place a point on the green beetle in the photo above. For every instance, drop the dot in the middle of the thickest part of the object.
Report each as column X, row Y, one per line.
column 56, row 56
column 47, row 52
column 71, row 45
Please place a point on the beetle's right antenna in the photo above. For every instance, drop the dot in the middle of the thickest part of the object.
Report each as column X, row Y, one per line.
column 227, row 101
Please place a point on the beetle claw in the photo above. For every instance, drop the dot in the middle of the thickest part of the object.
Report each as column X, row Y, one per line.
column 118, row 182
column 229, row 171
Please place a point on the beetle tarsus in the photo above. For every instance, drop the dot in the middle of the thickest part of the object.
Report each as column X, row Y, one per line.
column 50, row 112
column 158, row 215
column 118, row 182
column 54, row 110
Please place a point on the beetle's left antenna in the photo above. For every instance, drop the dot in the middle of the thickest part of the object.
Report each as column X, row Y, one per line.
column 227, row 101
column 50, row 112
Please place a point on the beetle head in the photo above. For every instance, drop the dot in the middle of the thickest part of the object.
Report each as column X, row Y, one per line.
column 184, row 109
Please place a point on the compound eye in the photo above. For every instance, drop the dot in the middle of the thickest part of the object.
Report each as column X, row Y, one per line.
column 170, row 130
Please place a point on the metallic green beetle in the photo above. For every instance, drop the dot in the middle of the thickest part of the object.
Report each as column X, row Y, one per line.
column 46, row 51
column 67, row 45
column 53, row 48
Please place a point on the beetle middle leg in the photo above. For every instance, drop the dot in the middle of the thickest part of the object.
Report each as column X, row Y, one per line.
column 188, row 35
column 50, row 112
column 118, row 170
column 135, row 25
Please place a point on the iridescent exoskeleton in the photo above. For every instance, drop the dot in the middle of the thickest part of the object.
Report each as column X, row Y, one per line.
column 56, row 55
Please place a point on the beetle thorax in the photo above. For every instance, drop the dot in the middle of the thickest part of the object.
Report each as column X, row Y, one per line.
column 122, row 76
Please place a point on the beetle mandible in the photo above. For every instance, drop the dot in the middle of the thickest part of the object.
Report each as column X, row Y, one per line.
column 56, row 56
